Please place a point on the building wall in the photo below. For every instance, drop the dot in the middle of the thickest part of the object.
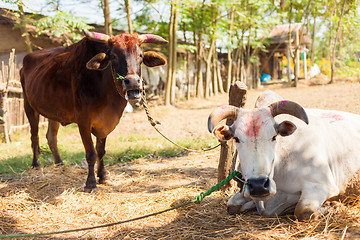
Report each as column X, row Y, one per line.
column 9, row 39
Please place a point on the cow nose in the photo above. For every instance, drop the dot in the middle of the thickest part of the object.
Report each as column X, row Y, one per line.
column 259, row 187
column 132, row 81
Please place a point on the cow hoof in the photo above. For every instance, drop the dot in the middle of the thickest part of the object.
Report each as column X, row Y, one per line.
column 89, row 190
column 233, row 210
column 307, row 215
column 35, row 165
column 106, row 182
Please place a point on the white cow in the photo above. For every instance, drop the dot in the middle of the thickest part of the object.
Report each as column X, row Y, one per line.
column 286, row 169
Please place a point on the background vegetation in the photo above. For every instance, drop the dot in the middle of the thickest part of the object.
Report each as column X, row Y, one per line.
column 209, row 27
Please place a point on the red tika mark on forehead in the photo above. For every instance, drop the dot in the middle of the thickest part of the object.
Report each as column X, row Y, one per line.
column 125, row 40
column 252, row 126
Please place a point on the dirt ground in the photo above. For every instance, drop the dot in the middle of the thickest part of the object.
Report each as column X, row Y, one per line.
column 51, row 199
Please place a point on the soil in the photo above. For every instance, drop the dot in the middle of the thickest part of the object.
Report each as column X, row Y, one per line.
column 44, row 201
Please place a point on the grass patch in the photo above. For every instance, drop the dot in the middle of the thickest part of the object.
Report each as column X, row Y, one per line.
column 153, row 148
column 17, row 156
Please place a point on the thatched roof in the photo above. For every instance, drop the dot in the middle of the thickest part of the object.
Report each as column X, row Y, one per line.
column 280, row 34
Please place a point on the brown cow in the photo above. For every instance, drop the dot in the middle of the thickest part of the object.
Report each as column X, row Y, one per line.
column 88, row 83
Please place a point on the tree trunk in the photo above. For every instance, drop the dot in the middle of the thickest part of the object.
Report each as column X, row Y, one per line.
column 219, row 77
column 313, row 42
column 23, row 29
column 199, row 87
column 296, row 59
column 214, row 73
column 174, row 55
column 208, row 68
column 106, row 10
column 229, row 58
column 169, row 78
column 333, row 51
column 196, row 56
column 188, row 93
column 128, row 15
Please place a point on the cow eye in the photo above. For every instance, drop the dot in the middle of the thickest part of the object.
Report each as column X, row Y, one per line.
column 236, row 139
column 141, row 55
column 113, row 57
column 274, row 138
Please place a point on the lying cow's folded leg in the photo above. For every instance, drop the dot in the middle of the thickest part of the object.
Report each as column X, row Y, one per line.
column 238, row 203
column 312, row 197
column 281, row 203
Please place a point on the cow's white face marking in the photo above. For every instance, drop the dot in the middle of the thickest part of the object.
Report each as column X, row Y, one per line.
column 255, row 136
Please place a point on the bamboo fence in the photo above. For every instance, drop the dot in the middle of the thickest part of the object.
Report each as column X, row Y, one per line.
column 12, row 113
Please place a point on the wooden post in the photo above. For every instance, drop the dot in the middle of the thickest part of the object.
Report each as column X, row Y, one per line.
column 305, row 63
column 237, row 97
column 288, row 56
column 4, row 102
column 297, row 59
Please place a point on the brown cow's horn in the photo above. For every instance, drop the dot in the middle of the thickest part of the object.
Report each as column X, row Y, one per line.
column 99, row 37
column 222, row 113
column 289, row 107
column 151, row 38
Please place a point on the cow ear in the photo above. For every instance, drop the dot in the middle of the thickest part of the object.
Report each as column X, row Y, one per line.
column 153, row 59
column 223, row 133
column 286, row 128
column 99, row 62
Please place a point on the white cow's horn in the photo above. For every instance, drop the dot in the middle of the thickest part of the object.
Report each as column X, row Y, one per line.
column 151, row 38
column 222, row 113
column 289, row 107
column 99, row 37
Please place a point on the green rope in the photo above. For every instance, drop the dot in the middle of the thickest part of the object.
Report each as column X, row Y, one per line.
column 201, row 196
column 197, row 199
column 119, row 77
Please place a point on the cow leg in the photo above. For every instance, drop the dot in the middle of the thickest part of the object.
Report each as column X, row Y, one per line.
column 100, row 149
column 51, row 136
column 91, row 156
column 238, row 203
column 280, row 203
column 33, row 118
column 312, row 197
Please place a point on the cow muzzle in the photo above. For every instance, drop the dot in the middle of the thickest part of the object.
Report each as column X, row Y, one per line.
column 132, row 85
column 260, row 189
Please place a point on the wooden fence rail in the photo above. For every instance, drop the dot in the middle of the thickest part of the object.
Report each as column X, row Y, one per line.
column 12, row 114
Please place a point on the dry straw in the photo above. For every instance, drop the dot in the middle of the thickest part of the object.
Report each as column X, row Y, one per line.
column 51, row 199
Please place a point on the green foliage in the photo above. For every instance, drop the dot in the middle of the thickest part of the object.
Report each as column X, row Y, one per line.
column 62, row 24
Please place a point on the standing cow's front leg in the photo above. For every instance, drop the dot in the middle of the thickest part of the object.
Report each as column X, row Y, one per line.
column 51, row 135
column 91, row 156
column 100, row 149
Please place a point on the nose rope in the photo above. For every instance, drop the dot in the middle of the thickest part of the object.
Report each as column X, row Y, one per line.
column 119, row 77
column 272, row 167
column 116, row 78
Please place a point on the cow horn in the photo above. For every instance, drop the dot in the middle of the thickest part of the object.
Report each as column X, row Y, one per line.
column 222, row 113
column 99, row 37
column 151, row 38
column 289, row 107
